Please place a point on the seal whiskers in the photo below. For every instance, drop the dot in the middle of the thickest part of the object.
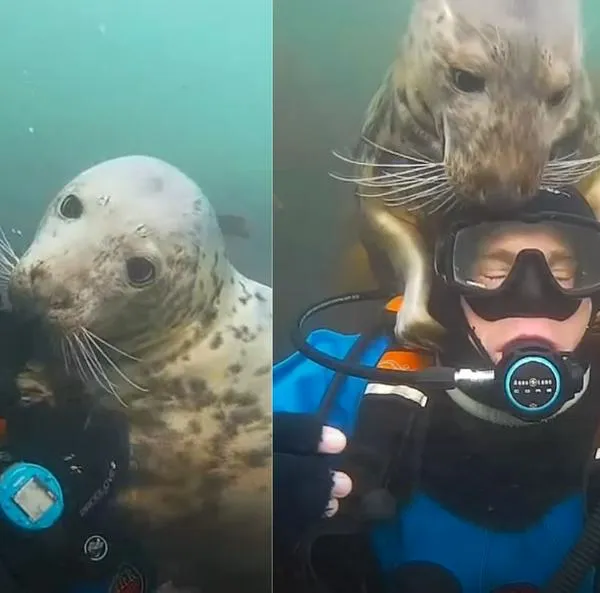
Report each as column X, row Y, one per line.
column 8, row 257
column 84, row 344
column 569, row 171
column 433, row 189
column 8, row 260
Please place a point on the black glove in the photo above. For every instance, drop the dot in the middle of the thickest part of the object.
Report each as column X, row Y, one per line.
column 302, row 477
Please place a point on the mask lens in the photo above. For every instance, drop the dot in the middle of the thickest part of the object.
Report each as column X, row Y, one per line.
column 484, row 255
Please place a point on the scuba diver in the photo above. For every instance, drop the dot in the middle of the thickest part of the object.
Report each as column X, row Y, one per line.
column 466, row 471
column 61, row 464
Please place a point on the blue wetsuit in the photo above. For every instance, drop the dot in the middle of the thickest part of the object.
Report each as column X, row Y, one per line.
column 436, row 543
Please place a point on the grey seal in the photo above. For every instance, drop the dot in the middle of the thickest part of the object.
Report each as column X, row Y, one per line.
column 129, row 272
column 485, row 103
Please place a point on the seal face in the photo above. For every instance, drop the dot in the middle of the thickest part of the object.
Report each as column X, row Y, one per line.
column 492, row 96
column 128, row 270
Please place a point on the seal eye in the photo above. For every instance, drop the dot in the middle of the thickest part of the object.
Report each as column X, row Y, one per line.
column 71, row 207
column 555, row 99
column 140, row 271
column 467, row 82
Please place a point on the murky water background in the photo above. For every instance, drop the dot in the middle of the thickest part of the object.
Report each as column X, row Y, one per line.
column 187, row 81
column 329, row 59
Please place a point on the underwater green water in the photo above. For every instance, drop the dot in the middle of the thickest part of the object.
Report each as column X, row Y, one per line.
column 188, row 81
column 329, row 58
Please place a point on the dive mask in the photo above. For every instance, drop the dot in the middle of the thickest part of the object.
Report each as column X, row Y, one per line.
column 537, row 265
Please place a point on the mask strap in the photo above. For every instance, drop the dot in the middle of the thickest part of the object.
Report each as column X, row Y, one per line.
column 472, row 337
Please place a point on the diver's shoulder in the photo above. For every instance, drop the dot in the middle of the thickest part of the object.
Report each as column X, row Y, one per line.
column 326, row 341
column 324, row 337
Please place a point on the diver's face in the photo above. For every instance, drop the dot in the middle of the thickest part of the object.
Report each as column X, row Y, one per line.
column 494, row 264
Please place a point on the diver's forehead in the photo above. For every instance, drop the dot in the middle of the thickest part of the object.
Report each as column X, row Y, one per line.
column 519, row 239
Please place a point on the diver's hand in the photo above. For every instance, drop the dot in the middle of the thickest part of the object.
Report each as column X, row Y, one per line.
column 333, row 441
column 305, row 485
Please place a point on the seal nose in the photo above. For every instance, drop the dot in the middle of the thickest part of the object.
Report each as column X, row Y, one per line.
column 37, row 273
column 509, row 180
column 506, row 197
column 60, row 298
column 44, row 289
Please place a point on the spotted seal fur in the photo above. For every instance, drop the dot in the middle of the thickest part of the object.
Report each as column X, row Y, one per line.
column 129, row 271
column 485, row 103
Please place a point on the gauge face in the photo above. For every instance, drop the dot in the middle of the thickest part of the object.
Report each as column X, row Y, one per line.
column 34, row 499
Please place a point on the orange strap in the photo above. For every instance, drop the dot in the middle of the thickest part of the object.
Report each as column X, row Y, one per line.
column 402, row 360
column 394, row 305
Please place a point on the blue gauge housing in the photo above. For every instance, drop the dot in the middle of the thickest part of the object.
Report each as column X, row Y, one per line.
column 31, row 498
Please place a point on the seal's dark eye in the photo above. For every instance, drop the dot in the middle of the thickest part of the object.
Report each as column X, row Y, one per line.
column 140, row 271
column 467, row 82
column 556, row 98
column 71, row 207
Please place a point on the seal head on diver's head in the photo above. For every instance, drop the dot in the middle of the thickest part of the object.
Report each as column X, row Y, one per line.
column 530, row 276
column 129, row 234
column 498, row 93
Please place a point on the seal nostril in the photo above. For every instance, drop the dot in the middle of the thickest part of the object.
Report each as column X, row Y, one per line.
column 509, row 195
column 528, row 192
column 500, row 200
column 37, row 273
column 45, row 292
column 61, row 299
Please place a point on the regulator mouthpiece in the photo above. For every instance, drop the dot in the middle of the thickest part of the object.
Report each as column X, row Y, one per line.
column 536, row 381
